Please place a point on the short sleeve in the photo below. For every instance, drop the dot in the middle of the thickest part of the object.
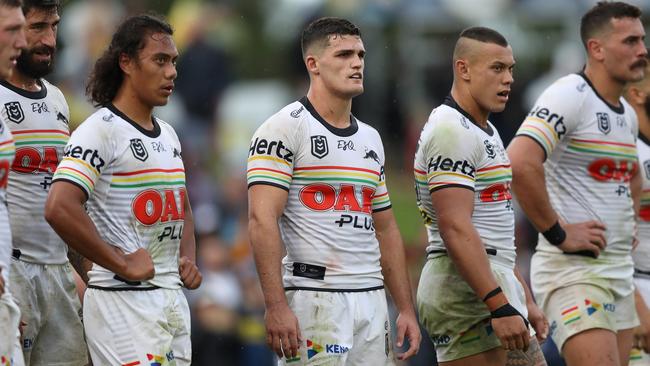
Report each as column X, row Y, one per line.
column 381, row 199
column 450, row 156
column 554, row 115
column 271, row 154
column 86, row 155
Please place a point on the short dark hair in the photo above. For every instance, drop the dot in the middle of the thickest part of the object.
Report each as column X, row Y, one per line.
column 40, row 4
column 320, row 29
column 485, row 35
column 107, row 76
column 600, row 15
column 11, row 3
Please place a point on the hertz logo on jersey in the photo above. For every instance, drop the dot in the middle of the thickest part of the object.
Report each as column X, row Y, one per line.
column 449, row 165
column 274, row 148
column 554, row 119
column 90, row 156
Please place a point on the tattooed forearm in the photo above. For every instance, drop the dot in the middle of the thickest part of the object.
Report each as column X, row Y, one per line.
column 532, row 357
column 80, row 264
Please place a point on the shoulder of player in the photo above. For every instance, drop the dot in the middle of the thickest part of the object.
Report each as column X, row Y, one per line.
column 446, row 120
column 101, row 120
column 288, row 118
column 572, row 86
column 366, row 128
column 52, row 90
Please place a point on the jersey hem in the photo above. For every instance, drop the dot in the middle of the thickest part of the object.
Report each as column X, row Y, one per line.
column 382, row 209
column 74, row 183
column 268, row 184
column 431, row 190
column 318, row 289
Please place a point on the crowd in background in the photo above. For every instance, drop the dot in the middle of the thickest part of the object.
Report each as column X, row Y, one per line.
column 240, row 62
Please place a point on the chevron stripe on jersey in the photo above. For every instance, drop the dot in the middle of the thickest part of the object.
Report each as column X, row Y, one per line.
column 7, row 152
column 39, row 123
column 641, row 254
column 135, row 182
column 335, row 181
column 455, row 152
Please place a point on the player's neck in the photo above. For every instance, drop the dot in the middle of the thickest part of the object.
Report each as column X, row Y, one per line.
column 22, row 81
column 607, row 87
column 129, row 104
column 469, row 105
column 335, row 111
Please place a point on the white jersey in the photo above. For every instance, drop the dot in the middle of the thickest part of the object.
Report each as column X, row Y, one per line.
column 39, row 123
column 641, row 254
column 335, row 179
column 7, row 151
column 135, row 183
column 453, row 151
column 591, row 153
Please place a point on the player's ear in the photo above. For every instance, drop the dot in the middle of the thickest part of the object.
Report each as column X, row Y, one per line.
column 312, row 64
column 595, row 49
column 126, row 63
column 461, row 68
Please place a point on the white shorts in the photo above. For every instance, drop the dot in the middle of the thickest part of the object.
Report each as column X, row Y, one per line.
column 342, row 328
column 457, row 320
column 47, row 297
column 573, row 309
column 10, row 351
column 639, row 357
column 138, row 327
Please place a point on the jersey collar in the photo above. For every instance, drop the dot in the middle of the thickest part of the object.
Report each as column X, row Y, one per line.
column 620, row 109
column 149, row 133
column 342, row 132
column 26, row 93
column 450, row 102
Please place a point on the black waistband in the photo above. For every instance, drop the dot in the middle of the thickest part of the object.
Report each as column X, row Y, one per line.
column 294, row 288
column 488, row 251
column 15, row 253
column 123, row 288
column 640, row 272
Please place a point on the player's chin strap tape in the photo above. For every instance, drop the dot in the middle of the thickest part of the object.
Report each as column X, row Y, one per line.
column 555, row 234
column 507, row 310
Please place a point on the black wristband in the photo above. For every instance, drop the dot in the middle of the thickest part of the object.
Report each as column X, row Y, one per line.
column 505, row 311
column 492, row 293
column 555, row 235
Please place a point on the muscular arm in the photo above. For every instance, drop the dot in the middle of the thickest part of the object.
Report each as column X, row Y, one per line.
column 393, row 265
column 454, row 207
column 80, row 264
column 265, row 206
column 64, row 211
column 529, row 185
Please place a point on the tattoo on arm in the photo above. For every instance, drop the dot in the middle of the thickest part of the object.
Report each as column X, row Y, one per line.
column 79, row 263
column 532, row 357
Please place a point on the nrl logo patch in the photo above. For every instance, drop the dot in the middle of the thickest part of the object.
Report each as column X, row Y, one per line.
column 138, row 150
column 603, row 122
column 14, row 112
column 319, row 146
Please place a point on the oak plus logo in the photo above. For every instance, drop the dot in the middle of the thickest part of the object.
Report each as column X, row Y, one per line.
column 138, row 150
column 319, row 146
